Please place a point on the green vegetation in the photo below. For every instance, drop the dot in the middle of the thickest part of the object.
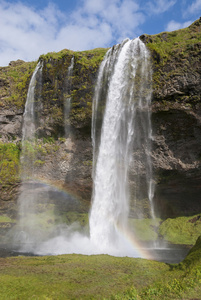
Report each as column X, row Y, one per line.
column 175, row 54
column 5, row 219
column 179, row 42
column 145, row 229
column 55, row 55
column 74, row 276
column 9, row 163
column 56, row 89
column 181, row 230
column 100, row 277
column 16, row 81
column 90, row 59
column 72, row 216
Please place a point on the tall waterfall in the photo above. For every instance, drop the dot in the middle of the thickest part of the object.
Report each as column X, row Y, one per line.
column 121, row 135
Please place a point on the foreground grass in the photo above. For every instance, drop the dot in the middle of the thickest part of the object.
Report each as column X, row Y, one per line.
column 74, row 276
column 100, row 277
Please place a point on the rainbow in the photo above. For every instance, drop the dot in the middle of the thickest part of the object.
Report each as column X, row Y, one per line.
column 137, row 246
column 55, row 185
column 126, row 234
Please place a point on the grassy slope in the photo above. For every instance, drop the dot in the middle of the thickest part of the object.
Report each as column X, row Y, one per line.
column 74, row 276
column 100, row 277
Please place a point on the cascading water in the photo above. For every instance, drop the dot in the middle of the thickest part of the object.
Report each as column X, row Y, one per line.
column 67, row 100
column 121, row 135
column 124, row 83
column 28, row 196
column 29, row 125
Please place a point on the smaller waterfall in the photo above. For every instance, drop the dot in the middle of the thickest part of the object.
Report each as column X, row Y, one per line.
column 28, row 130
column 28, row 197
column 67, row 99
column 29, row 126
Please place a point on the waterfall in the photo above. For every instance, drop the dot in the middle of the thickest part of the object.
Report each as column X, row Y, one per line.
column 29, row 126
column 121, row 134
column 67, row 99
column 28, row 196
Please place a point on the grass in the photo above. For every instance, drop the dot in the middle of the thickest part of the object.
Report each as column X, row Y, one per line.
column 100, row 277
column 88, row 59
column 181, row 230
column 73, row 276
column 145, row 229
column 179, row 42
column 103, row 276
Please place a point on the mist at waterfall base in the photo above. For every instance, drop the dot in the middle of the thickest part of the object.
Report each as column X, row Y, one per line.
column 119, row 130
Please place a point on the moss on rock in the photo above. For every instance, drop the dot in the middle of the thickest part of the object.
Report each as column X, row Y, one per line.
column 176, row 59
column 9, row 163
column 15, row 81
column 181, row 230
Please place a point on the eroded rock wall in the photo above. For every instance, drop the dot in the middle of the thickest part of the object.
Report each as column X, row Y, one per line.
column 176, row 118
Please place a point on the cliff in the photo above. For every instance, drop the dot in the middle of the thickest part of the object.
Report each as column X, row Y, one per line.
column 176, row 118
column 66, row 159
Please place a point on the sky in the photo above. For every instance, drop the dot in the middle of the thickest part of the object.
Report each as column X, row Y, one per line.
column 30, row 28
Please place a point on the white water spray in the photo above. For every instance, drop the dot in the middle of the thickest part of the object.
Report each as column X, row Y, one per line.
column 126, row 127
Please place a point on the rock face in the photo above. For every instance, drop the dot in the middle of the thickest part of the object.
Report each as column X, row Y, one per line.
column 62, row 159
column 66, row 160
column 176, row 121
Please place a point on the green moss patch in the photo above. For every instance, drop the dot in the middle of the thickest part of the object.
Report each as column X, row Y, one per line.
column 5, row 219
column 179, row 42
column 181, row 230
column 57, row 87
column 16, row 81
column 176, row 54
column 9, row 163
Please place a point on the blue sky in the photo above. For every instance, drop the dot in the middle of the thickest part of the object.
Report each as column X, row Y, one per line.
column 29, row 28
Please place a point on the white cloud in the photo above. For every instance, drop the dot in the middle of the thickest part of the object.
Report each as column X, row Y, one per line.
column 160, row 6
column 195, row 7
column 173, row 25
column 123, row 17
column 26, row 33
